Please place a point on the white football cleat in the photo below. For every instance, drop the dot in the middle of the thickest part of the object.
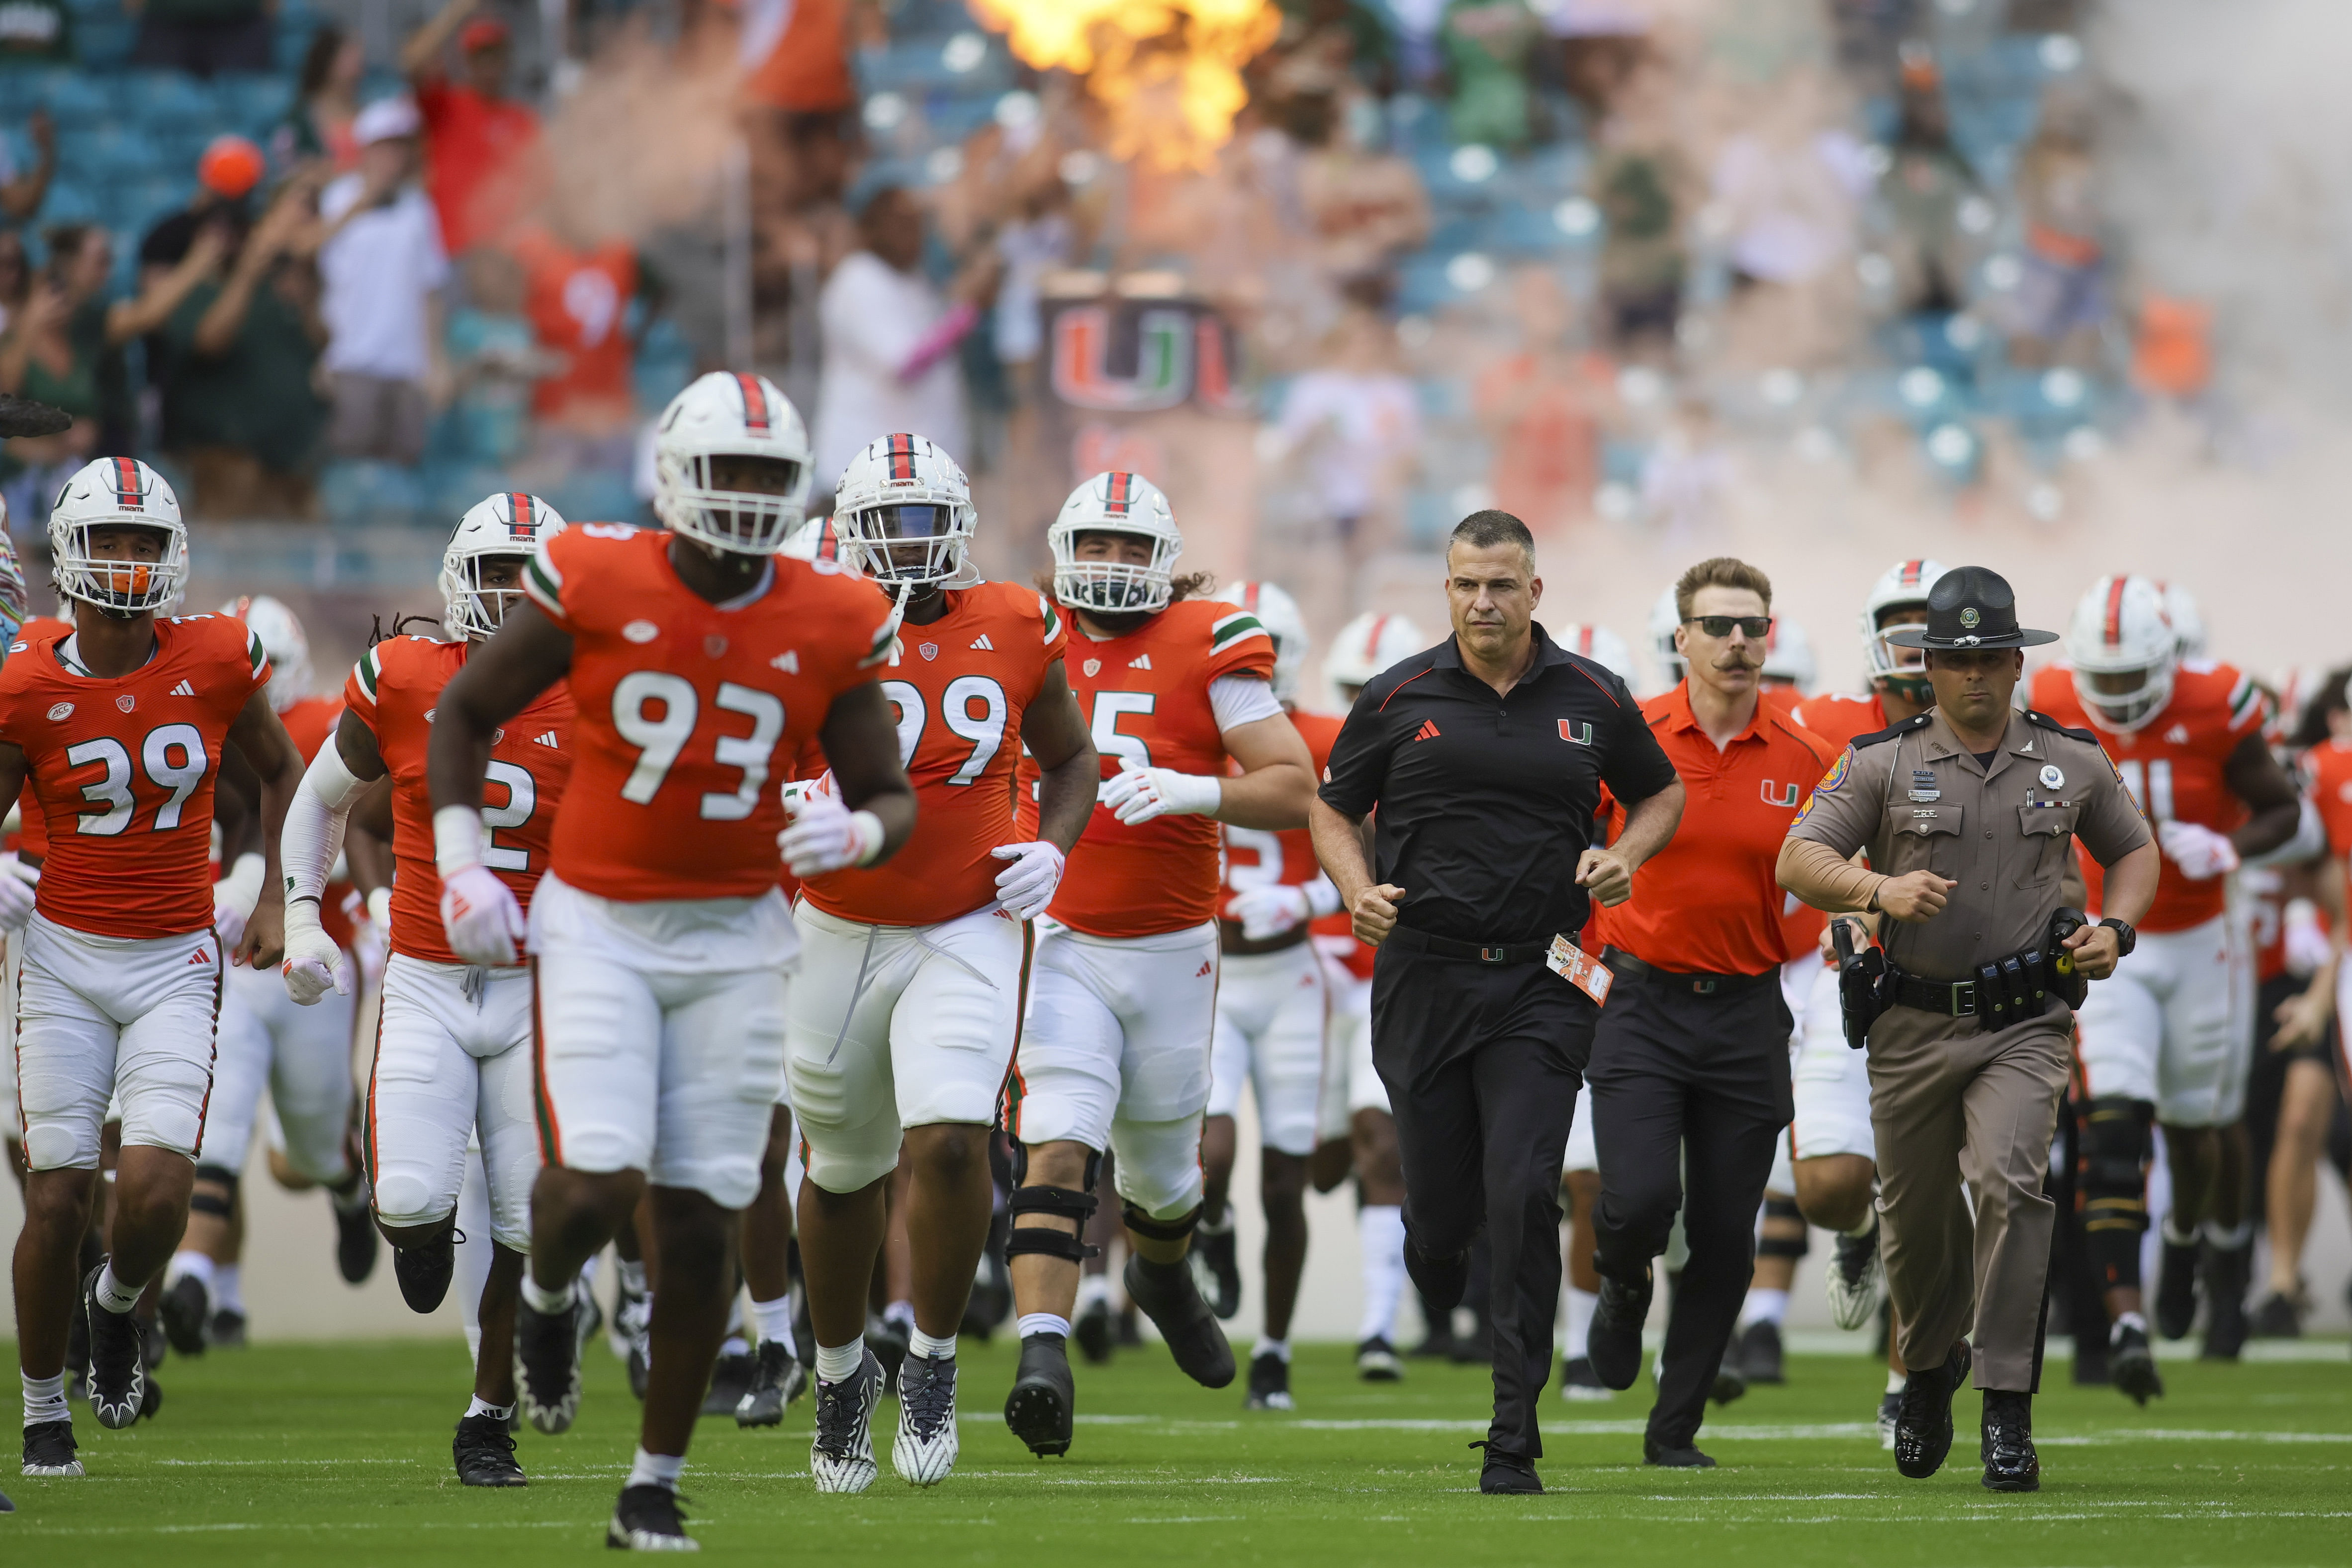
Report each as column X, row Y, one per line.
column 925, row 1450
column 841, row 1455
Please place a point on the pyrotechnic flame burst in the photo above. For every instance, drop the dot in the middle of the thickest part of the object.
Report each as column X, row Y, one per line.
column 1169, row 71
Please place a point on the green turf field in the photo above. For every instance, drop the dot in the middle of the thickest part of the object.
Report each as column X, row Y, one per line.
column 333, row 1455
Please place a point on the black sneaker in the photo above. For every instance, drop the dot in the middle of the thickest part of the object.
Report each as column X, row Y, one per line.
column 355, row 1237
column 49, row 1449
column 1673, row 1457
column 1166, row 1294
column 1613, row 1344
column 1923, row 1427
column 485, row 1453
column 1508, row 1475
column 2176, row 1286
column 777, row 1379
column 1853, row 1278
column 925, row 1450
column 2275, row 1317
column 1094, row 1331
column 841, row 1454
column 547, row 1367
column 424, row 1272
column 1216, row 1266
column 118, row 1362
column 2226, row 1272
column 1578, row 1381
column 649, row 1519
column 1376, row 1362
column 1045, row 1397
column 2131, row 1364
column 1760, row 1354
column 730, row 1380
column 227, row 1329
column 185, row 1309
column 1269, row 1384
column 2011, row 1463
column 887, row 1338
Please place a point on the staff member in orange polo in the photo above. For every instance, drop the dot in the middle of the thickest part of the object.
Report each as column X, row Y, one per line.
column 1690, row 1064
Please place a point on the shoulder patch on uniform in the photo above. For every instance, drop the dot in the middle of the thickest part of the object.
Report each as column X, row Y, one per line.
column 2040, row 719
column 369, row 670
column 1896, row 732
column 1052, row 621
column 543, row 582
column 1227, row 630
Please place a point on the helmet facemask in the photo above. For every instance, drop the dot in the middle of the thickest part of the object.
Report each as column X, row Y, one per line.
column 705, row 496
column 1900, row 671
column 911, row 543
column 1114, row 587
column 473, row 612
column 2128, row 707
column 119, row 583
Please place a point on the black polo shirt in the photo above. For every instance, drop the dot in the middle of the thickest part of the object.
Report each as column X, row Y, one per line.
column 1485, row 802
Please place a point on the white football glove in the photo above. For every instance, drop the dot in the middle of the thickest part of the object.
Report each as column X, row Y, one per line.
column 827, row 835
column 480, row 915
column 1269, row 911
column 1136, row 794
column 1026, row 887
column 2199, row 852
column 313, row 965
column 234, row 896
column 17, row 883
column 370, row 933
column 2305, row 938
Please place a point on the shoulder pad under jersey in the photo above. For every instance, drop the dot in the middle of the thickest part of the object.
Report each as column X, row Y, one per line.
column 2041, row 721
column 1893, row 732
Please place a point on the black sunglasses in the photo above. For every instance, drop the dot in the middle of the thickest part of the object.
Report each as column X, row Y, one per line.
column 1757, row 627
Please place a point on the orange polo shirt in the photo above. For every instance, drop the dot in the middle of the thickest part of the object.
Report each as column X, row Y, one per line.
column 1707, row 903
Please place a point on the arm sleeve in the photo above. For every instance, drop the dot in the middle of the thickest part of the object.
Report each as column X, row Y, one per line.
column 1239, row 699
column 1845, row 807
column 2109, row 824
column 1359, row 766
column 314, row 823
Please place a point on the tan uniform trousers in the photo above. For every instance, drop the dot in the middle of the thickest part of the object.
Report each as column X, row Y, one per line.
column 1948, row 1103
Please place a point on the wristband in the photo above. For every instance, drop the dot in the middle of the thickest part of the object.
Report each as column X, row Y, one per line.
column 456, row 838
column 301, row 916
column 866, row 829
column 379, row 909
column 1322, row 898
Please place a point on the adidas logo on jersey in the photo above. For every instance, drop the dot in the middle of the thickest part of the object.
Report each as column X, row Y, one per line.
column 547, row 740
column 1428, row 732
column 789, row 661
column 184, row 689
column 1205, row 967
column 199, row 956
column 982, row 643
column 1141, row 661
column 2177, row 736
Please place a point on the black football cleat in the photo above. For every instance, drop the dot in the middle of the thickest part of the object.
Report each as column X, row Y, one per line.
column 424, row 1272
column 1923, row 1429
column 226, row 1331
column 1269, row 1384
column 186, row 1308
column 1614, row 1344
column 2275, row 1317
column 49, row 1449
column 118, row 1361
column 649, row 1519
column 1216, row 1266
column 1730, row 1381
column 1673, row 1457
column 1376, row 1362
column 1506, row 1474
column 546, row 1368
column 1856, row 1278
column 2226, row 1272
column 1044, row 1402
column 1097, row 1335
column 777, row 1379
column 1166, row 1294
column 2131, row 1364
column 356, row 1240
column 1760, row 1355
column 2011, row 1463
column 485, row 1453
column 2176, row 1286
column 730, row 1380
column 1578, row 1381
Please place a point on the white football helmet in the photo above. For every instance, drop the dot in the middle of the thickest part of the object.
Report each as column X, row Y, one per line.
column 283, row 639
column 1115, row 503
column 118, row 492
column 2188, row 624
column 815, row 539
column 1599, row 644
column 1277, row 612
column 1664, row 616
column 1902, row 586
column 1365, row 646
column 900, row 495
column 1789, row 656
column 511, row 522
column 2119, row 628
column 726, row 413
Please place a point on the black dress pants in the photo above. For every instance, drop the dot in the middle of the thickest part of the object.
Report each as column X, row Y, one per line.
column 1697, row 1086
column 1482, row 1063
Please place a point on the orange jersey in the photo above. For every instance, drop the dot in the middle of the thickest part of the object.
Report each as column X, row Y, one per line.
column 959, row 686
column 1146, row 700
column 2173, row 765
column 2326, row 771
column 688, row 713
column 32, row 829
column 124, row 770
column 391, row 691
column 1256, row 857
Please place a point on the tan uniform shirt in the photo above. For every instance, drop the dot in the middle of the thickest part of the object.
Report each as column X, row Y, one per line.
column 1919, row 801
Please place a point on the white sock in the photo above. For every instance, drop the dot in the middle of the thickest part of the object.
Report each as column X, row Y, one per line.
column 658, row 1471
column 1093, row 1287
column 775, row 1321
column 840, row 1361
column 228, row 1287
column 113, row 1293
column 186, row 1262
column 922, row 1344
column 2127, row 1321
column 1280, row 1348
column 481, row 1406
column 1044, row 1323
column 2174, row 1239
column 45, row 1399
column 1580, row 1321
column 1380, row 1236
column 2228, row 1241
column 735, row 1316
column 734, row 1344
column 547, row 1301
column 633, row 1275
column 1764, row 1305
column 901, row 1314
column 1897, row 1382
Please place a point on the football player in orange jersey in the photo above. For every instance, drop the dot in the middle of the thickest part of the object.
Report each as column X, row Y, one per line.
column 701, row 661
column 1269, row 1033
column 2168, row 1040
column 902, row 1026
column 14, row 613
column 1363, row 647
column 1115, row 1053
column 1834, row 1155
column 452, row 1055
column 302, row 1058
column 120, row 725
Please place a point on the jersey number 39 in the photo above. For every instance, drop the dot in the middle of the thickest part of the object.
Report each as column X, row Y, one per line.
column 171, row 756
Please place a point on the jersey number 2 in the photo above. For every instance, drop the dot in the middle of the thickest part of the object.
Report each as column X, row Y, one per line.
column 659, row 741
column 174, row 758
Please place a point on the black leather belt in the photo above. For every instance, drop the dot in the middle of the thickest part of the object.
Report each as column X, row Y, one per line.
column 1626, row 966
column 2000, row 998
column 1411, row 940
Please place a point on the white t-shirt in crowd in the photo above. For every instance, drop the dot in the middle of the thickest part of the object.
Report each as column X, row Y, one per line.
column 1357, row 423
column 377, row 271
column 872, row 318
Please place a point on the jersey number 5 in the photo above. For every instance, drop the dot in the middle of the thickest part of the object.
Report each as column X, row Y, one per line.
column 659, row 741
column 172, row 757
column 1110, row 707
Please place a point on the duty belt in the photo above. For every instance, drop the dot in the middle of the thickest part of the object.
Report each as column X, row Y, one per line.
column 1622, row 963
column 1411, row 940
column 2007, row 991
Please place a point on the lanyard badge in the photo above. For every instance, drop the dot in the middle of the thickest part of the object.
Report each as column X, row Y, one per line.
column 1579, row 969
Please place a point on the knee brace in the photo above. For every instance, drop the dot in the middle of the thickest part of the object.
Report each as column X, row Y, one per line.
column 1789, row 1246
column 1062, row 1202
column 1143, row 1224
column 2117, row 1144
column 217, row 1204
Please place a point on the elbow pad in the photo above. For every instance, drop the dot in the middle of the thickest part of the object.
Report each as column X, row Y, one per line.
column 314, row 823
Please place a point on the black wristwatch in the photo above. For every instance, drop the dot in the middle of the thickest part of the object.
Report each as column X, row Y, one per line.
column 2126, row 938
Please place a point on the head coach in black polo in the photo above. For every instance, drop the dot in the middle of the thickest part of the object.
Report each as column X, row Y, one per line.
column 1481, row 763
